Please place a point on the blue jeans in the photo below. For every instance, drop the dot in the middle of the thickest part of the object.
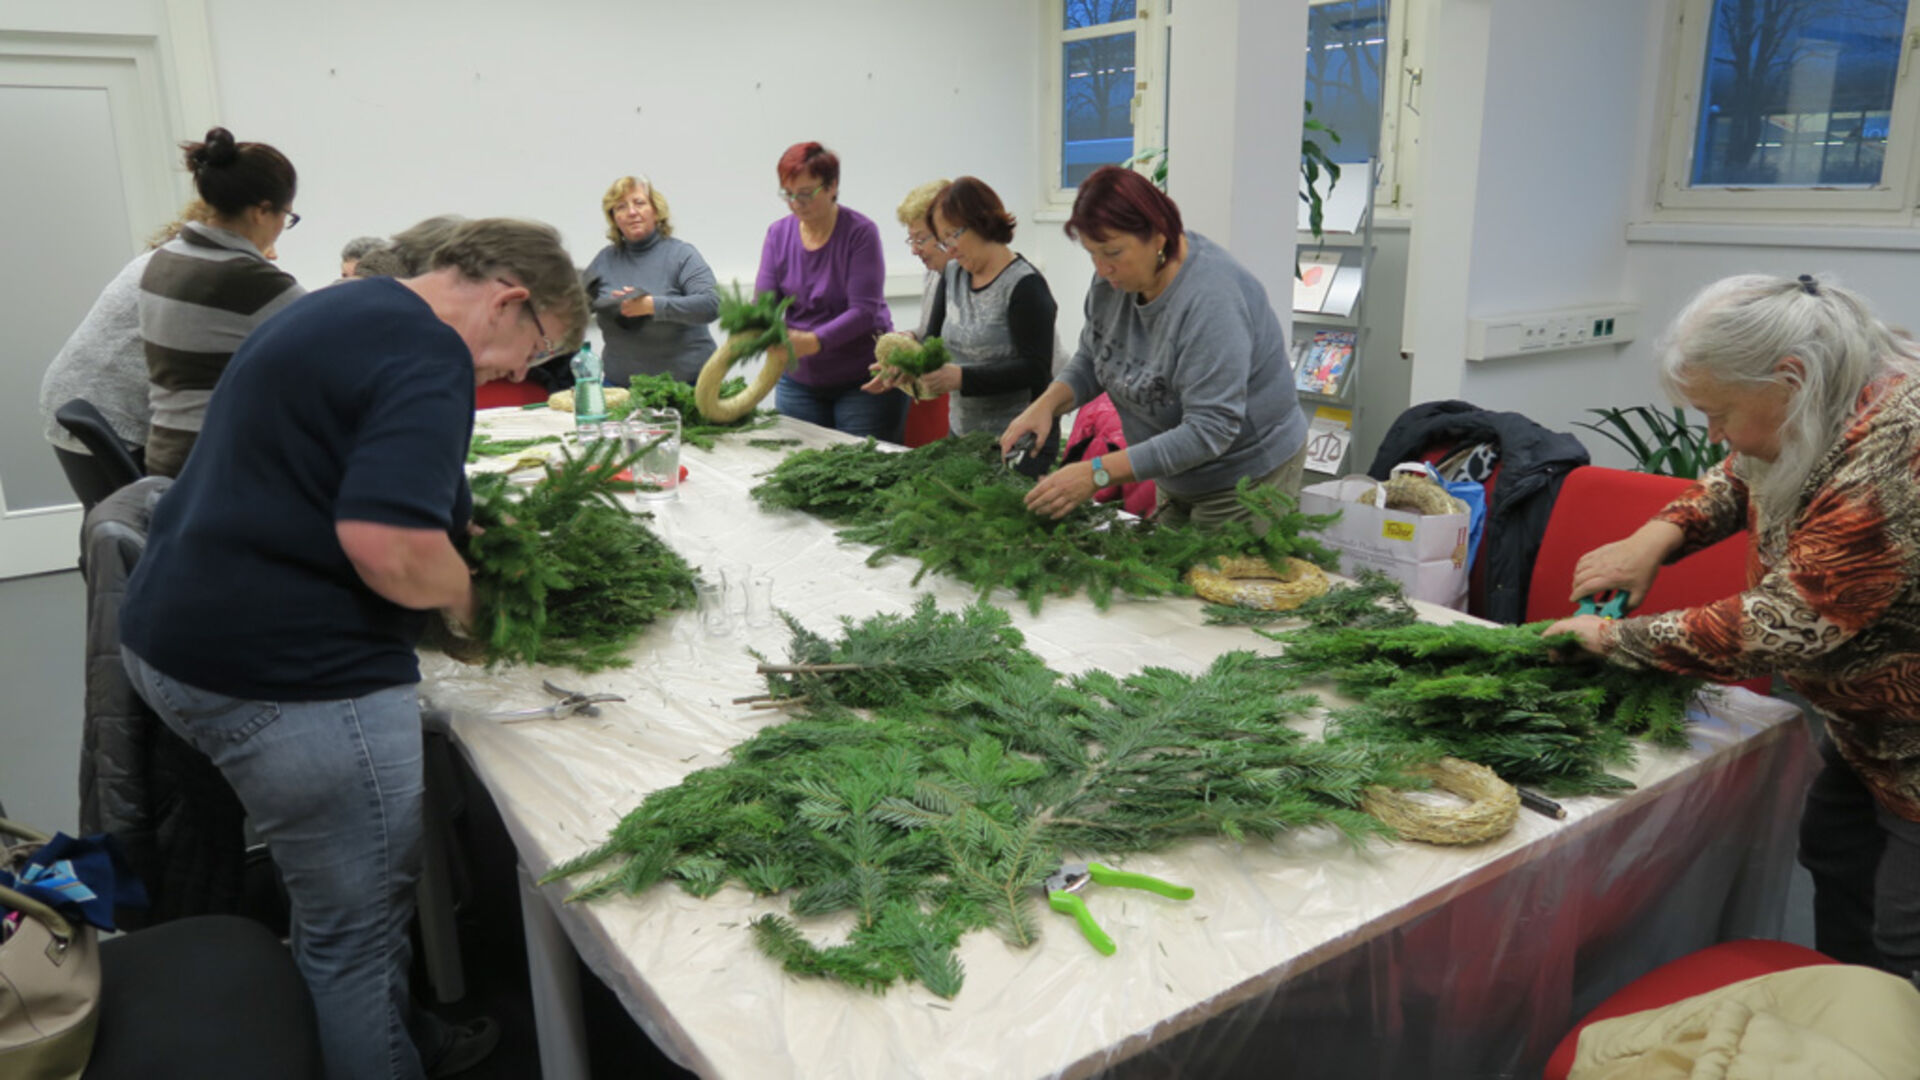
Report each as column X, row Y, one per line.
column 335, row 789
column 852, row 410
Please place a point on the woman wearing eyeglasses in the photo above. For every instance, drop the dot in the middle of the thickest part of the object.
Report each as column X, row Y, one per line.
column 205, row 290
column 1183, row 340
column 827, row 258
column 912, row 212
column 995, row 314
column 652, row 293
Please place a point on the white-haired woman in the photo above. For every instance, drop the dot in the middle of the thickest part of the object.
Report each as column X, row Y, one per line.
column 1819, row 404
column 653, row 295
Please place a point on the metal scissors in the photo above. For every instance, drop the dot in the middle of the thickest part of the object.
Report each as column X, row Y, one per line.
column 571, row 703
column 1063, row 885
column 1014, row 457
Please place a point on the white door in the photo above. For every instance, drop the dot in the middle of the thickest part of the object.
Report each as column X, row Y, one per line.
column 89, row 176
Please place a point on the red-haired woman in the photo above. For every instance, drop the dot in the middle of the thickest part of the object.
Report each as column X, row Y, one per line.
column 827, row 258
column 1183, row 340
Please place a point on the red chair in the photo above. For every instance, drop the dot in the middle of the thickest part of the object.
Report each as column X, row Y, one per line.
column 1695, row 973
column 501, row 393
column 927, row 421
column 1598, row 505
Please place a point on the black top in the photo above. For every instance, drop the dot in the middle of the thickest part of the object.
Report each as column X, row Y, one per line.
column 353, row 404
column 1030, row 317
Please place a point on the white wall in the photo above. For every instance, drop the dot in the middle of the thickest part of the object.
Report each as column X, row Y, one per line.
column 395, row 112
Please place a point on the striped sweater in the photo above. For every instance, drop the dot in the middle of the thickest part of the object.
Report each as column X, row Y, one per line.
column 202, row 293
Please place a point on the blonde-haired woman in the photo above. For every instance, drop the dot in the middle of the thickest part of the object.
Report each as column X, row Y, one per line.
column 916, row 213
column 1818, row 402
column 652, row 294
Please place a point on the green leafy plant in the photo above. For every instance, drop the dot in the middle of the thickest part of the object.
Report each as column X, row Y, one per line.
column 1661, row 443
column 1314, row 163
column 667, row 392
column 1155, row 162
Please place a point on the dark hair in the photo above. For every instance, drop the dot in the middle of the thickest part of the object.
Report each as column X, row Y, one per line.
column 810, row 157
column 528, row 252
column 1116, row 200
column 969, row 203
column 232, row 176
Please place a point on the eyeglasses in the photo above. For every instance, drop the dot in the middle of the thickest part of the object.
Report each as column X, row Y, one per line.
column 548, row 347
column 952, row 239
column 292, row 219
column 918, row 241
column 801, row 198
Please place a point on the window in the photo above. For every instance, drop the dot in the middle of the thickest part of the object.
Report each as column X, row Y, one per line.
column 1346, row 55
column 1792, row 105
column 1108, row 85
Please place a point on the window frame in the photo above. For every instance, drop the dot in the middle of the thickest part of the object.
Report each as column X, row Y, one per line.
column 1151, row 23
column 1675, row 197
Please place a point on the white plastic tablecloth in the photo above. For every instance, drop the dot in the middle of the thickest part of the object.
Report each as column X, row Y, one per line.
column 1400, row 959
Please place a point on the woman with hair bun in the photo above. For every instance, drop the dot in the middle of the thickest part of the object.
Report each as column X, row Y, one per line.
column 1818, row 402
column 205, row 290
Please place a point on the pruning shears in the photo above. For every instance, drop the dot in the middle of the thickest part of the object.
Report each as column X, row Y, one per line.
column 1607, row 603
column 1021, row 449
column 1064, row 885
column 571, row 703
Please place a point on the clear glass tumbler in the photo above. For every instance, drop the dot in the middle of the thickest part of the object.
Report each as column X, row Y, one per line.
column 657, row 474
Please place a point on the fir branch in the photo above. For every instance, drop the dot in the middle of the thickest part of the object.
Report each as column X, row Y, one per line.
column 485, row 445
column 563, row 574
column 667, row 392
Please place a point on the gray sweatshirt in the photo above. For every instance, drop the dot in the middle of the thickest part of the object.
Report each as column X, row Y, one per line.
column 105, row 361
column 674, row 339
column 1200, row 376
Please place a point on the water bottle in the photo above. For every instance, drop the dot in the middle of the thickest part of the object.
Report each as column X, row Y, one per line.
column 589, row 395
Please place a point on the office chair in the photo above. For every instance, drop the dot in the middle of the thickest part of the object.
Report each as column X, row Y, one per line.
column 108, row 464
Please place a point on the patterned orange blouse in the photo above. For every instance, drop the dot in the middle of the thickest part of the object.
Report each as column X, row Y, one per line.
column 1838, row 613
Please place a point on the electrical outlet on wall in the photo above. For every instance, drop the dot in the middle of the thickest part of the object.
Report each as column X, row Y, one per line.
column 1551, row 331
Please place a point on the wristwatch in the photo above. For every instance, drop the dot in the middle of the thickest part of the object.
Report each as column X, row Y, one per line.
column 1101, row 477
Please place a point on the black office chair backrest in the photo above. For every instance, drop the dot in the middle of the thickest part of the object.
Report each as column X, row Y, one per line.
column 108, row 465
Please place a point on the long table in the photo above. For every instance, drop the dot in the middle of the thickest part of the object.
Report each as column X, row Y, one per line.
column 1300, row 957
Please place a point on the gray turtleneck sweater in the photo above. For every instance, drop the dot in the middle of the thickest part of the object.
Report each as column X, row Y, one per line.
column 674, row 339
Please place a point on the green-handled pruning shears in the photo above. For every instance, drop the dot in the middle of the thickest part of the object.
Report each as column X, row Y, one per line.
column 1608, row 604
column 1063, row 885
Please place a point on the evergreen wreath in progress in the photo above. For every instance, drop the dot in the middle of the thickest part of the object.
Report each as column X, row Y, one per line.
column 973, row 773
column 562, row 573
column 954, row 506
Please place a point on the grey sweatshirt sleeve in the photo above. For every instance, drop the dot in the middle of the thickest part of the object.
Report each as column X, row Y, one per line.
column 598, row 294
column 697, row 296
column 1213, row 356
column 1078, row 374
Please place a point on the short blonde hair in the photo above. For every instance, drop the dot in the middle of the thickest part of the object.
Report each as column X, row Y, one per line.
column 618, row 193
column 919, row 202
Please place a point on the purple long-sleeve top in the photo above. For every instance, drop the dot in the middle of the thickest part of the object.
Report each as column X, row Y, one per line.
column 837, row 294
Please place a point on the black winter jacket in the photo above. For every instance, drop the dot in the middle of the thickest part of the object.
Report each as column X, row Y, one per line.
column 1533, row 463
column 176, row 816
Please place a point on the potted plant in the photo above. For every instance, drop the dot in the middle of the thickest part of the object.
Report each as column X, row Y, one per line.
column 1661, row 443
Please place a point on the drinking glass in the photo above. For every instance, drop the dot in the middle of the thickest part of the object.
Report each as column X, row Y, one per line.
column 657, row 474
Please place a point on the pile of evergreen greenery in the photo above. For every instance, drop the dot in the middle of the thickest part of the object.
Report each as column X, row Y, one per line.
column 1499, row 696
column 565, row 575
column 955, row 506
column 485, row 445
column 974, row 772
column 667, row 392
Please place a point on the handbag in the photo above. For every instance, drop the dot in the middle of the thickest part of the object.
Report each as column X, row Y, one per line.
column 49, row 979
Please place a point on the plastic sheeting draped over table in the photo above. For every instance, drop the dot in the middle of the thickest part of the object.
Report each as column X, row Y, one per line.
column 1301, row 957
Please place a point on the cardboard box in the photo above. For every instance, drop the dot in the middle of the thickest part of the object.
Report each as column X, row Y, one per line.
column 1426, row 554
